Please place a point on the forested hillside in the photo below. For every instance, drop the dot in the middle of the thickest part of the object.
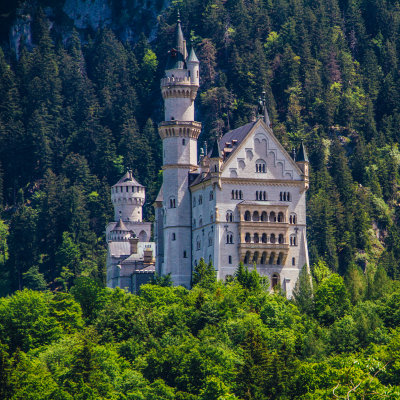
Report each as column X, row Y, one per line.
column 79, row 106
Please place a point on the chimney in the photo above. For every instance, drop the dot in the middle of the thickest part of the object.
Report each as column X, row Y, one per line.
column 133, row 241
column 148, row 256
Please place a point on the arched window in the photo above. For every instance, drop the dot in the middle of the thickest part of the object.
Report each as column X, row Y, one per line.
column 293, row 218
column 229, row 216
column 233, row 194
column 272, row 238
column 172, row 202
column 198, row 243
column 256, row 238
column 281, row 239
column 210, row 240
column 256, row 216
column 255, row 257
column 264, row 216
column 271, row 258
column 240, row 195
column 281, row 217
column 200, row 221
column 293, row 240
column 263, row 258
column 247, row 238
column 236, row 194
column 184, row 254
column 264, row 238
column 261, row 166
column 257, row 195
column 211, row 195
column 183, row 142
column 229, row 238
column 247, row 257
column 275, row 280
column 247, row 216
column 280, row 259
column 272, row 216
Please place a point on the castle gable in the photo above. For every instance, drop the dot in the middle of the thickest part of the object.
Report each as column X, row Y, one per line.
column 257, row 154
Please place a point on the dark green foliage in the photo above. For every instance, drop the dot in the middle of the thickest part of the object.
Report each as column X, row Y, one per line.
column 204, row 274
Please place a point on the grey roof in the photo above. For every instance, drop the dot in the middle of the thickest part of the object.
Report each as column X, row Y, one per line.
column 160, row 196
column 236, row 134
column 215, row 153
column 128, row 180
column 192, row 56
column 302, row 154
column 120, row 226
column 176, row 56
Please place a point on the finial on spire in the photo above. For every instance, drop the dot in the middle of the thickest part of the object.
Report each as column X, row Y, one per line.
column 262, row 108
column 178, row 17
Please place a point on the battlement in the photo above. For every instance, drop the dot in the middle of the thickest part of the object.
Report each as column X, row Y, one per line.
column 174, row 80
column 190, row 129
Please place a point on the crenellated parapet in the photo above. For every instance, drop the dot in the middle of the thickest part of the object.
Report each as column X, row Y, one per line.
column 189, row 129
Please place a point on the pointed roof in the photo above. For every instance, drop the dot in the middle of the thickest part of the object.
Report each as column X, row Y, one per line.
column 160, row 195
column 176, row 56
column 128, row 180
column 120, row 226
column 215, row 150
column 302, row 154
column 192, row 56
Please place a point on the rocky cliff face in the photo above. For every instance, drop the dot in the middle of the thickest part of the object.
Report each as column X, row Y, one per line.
column 127, row 18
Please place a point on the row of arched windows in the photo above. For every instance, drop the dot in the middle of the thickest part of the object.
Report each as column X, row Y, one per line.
column 285, row 196
column 264, row 238
column 261, row 195
column 264, row 258
column 237, row 194
column 264, row 216
column 120, row 189
column 261, row 166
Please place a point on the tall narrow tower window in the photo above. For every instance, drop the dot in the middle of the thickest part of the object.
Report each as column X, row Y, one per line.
column 183, row 142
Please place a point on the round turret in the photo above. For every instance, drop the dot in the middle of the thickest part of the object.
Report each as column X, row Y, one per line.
column 128, row 197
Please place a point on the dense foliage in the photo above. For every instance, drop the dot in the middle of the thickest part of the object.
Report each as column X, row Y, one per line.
column 215, row 342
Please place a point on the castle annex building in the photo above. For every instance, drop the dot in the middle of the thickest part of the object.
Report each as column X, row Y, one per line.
column 130, row 254
column 243, row 201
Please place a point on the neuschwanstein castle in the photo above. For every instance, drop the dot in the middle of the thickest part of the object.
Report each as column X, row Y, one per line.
column 243, row 201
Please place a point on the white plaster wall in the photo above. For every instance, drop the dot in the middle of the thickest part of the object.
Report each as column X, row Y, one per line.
column 179, row 109
column 261, row 146
column 175, row 152
column 177, row 220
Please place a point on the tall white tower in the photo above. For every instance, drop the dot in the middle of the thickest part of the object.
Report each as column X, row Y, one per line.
column 179, row 133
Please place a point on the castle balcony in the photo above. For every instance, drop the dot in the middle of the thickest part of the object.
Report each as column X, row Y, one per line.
column 174, row 128
column 263, row 254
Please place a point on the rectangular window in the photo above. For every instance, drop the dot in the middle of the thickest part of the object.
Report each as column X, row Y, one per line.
column 293, row 261
column 184, row 254
column 230, row 259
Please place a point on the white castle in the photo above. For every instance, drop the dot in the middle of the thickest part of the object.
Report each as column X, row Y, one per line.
column 244, row 201
column 130, row 254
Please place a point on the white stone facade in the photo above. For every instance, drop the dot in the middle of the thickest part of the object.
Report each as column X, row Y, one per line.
column 244, row 202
